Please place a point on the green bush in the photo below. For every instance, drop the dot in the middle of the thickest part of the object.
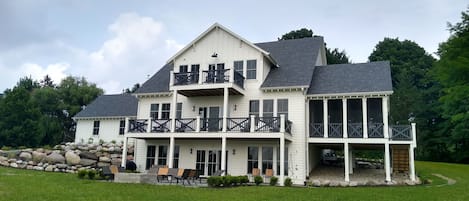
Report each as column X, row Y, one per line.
column 243, row 179
column 6, row 148
column 273, row 180
column 226, row 181
column 91, row 174
column 287, row 182
column 258, row 180
column 235, row 180
column 214, row 181
column 82, row 174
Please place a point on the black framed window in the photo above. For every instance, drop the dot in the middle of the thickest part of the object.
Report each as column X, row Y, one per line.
column 267, row 158
column 268, row 108
column 183, row 68
column 151, row 150
column 165, row 109
column 162, row 154
column 251, row 69
column 179, row 111
column 282, row 107
column 176, row 156
column 253, row 158
column 285, row 162
column 195, row 72
column 238, row 67
column 154, row 111
column 121, row 127
column 96, row 127
column 254, row 108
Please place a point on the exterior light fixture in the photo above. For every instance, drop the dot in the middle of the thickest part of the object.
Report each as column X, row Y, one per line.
column 234, row 151
column 191, row 151
column 214, row 55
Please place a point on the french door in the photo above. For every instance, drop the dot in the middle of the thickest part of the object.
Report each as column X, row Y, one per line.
column 209, row 161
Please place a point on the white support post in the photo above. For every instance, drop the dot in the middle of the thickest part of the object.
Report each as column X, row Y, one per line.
column 197, row 124
column 344, row 118
column 231, row 71
column 365, row 117
column 282, row 160
column 385, row 117
column 124, row 153
column 223, row 154
column 149, row 125
column 411, row 163
column 346, row 162
column 282, row 123
column 171, row 152
column 326, row 118
column 414, row 135
column 225, row 108
column 171, row 78
column 200, row 76
column 350, row 161
column 387, row 162
column 173, row 111
column 253, row 122
column 126, row 125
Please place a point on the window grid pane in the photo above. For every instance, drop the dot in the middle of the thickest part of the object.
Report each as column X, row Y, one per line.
column 268, row 108
column 251, row 69
column 253, row 155
column 154, row 111
column 165, row 108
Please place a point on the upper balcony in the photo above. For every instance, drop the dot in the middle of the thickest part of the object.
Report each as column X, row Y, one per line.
column 207, row 82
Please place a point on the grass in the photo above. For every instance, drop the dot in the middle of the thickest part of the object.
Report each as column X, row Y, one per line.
column 32, row 185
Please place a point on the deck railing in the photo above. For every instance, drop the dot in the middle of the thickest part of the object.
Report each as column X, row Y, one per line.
column 186, row 125
column 401, row 132
column 160, row 125
column 316, row 130
column 375, row 130
column 186, row 78
column 211, row 124
column 267, row 124
column 208, row 77
column 239, row 124
column 215, row 76
column 138, row 125
column 355, row 130
column 335, row 130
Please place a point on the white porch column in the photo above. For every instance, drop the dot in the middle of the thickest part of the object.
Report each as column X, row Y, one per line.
column 387, row 162
column 223, row 154
column 344, row 118
column 346, row 162
column 171, row 152
column 414, row 135
column 171, row 78
column 225, row 108
column 124, row 153
column 126, row 125
column 282, row 123
column 282, row 160
column 385, row 117
column 253, row 124
column 149, row 125
column 326, row 118
column 173, row 111
column 350, row 161
column 411, row 163
column 197, row 124
column 365, row 117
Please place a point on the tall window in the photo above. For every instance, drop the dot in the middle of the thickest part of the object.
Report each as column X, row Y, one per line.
column 267, row 158
column 162, row 154
column 254, row 108
column 154, row 111
column 179, row 111
column 183, row 68
column 282, row 107
column 176, row 156
column 151, row 150
column 253, row 158
column 268, row 108
column 251, row 69
column 165, row 108
column 238, row 67
column 195, row 73
column 285, row 162
column 121, row 127
column 96, row 128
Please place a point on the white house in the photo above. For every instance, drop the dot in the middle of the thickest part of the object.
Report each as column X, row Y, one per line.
column 224, row 103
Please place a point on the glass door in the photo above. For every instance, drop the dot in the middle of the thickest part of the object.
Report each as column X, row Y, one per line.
column 214, row 119
column 200, row 162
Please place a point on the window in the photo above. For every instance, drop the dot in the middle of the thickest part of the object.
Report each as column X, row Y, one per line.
column 195, row 73
column 268, row 108
column 282, row 107
column 251, row 69
column 154, row 111
column 176, row 156
column 179, row 111
column 183, row 68
column 254, row 108
column 253, row 158
column 162, row 154
column 96, row 128
column 150, row 156
column 165, row 107
column 238, row 67
column 121, row 127
column 285, row 162
column 267, row 158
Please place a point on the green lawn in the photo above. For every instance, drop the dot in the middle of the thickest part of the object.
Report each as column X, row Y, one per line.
column 32, row 185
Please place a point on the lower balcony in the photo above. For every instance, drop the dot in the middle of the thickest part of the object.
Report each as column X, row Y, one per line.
column 355, row 130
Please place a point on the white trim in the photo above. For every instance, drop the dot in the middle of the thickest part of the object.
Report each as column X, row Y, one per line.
column 284, row 89
column 103, row 118
column 153, row 95
column 350, row 95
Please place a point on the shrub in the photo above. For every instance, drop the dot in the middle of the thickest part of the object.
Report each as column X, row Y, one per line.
column 113, row 141
column 273, row 181
column 6, row 148
column 287, row 182
column 235, row 180
column 82, row 174
column 214, row 181
column 91, row 174
column 101, row 141
column 226, row 180
column 243, row 179
column 258, row 180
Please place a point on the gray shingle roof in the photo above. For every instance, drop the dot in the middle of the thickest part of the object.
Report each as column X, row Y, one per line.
column 296, row 58
column 158, row 83
column 119, row 105
column 350, row 78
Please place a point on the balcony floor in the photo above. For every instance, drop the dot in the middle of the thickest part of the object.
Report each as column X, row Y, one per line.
column 208, row 92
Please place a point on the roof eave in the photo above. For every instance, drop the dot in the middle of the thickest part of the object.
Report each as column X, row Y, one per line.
column 351, row 94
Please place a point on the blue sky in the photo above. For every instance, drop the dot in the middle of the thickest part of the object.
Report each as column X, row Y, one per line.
column 118, row 43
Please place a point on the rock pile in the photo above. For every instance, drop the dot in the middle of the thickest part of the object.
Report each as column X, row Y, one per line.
column 69, row 158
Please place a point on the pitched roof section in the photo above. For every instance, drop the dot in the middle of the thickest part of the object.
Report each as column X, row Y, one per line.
column 351, row 78
column 119, row 105
column 158, row 83
column 296, row 59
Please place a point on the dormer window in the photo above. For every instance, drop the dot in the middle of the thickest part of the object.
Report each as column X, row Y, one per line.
column 251, row 70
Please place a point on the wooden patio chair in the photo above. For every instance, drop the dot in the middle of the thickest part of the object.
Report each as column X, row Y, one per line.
column 184, row 176
column 192, row 175
column 172, row 173
column 114, row 169
column 268, row 173
column 162, row 173
column 106, row 172
column 255, row 172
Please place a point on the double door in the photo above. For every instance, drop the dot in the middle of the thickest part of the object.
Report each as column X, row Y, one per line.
column 209, row 161
column 210, row 117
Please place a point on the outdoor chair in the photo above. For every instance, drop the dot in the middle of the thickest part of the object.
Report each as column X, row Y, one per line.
column 268, row 173
column 106, row 172
column 193, row 175
column 172, row 173
column 255, row 172
column 184, row 176
column 162, row 173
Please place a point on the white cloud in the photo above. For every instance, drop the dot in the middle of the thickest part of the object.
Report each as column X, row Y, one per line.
column 55, row 71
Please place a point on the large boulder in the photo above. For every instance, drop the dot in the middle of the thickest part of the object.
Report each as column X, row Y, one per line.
column 55, row 158
column 49, row 168
column 26, row 156
column 38, row 156
column 87, row 162
column 72, row 158
column 88, row 155
column 104, row 159
column 3, row 158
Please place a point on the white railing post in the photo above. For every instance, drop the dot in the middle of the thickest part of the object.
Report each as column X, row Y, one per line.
column 365, row 117
column 282, row 123
column 344, row 118
column 282, row 160
column 231, row 73
column 326, row 118
column 149, row 125
column 171, row 78
column 171, row 152
column 414, row 135
column 385, row 117
column 387, row 162
column 197, row 124
column 253, row 122
column 411, row 163
column 346, row 162
column 200, row 76
column 124, row 153
column 126, row 125
column 225, row 109
column 173, row 111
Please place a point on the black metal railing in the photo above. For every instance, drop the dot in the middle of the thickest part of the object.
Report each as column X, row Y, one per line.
column 239, row 79
column 211, row 124
column 267, row 124
column 238, row 124
column 138, row 125
column 160, row 125
column 186, row 78
column 216, row 76
column 288, row 126
column 316, row 130
column 186, row 125
column 335, row 130
column 401, row 132
column 355, row 130
column 375, row 130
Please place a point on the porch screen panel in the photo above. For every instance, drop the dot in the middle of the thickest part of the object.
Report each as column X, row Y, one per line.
column 162, row 155
column 267, row 158
column 151, row 150
column 253, row 158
